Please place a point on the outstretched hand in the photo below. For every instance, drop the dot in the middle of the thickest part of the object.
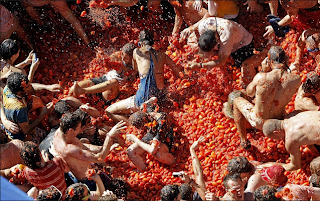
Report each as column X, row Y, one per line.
column 55, row 88
column 28, row 60
column 197, row 5
column 196, row 144
column 251, row 5
column 269, row 32
column 117, row 128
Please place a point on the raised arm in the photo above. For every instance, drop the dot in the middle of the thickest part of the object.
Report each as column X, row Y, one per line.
column 197, row 168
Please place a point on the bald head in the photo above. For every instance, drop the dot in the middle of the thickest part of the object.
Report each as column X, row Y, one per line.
column 270, row 126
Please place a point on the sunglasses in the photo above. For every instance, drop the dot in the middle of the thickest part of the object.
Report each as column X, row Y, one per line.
column 313, row 50
column 89, row 193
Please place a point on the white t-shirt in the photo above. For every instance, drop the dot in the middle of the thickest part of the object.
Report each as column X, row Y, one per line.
column 232, row 35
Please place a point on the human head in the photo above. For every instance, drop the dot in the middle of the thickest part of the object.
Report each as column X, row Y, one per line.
column 276, row 55
column 313, row 44
column 49, row 194
column 312, row 83
column 146, row 37
column 60, row 108
column 207, row 41
column 315, row 166
column 9, row 50
column 77, row 191
column 233, row 184
column 169, row 192
column 70, row 121
column 30, row 154
column 314, row 181
column 127, row 52
column 241, row 165
column 138, row 119
column 274, row 175
column 185, row 192
column 266, row 193
column 84, row 117
column 272, row 128
column 18, row 84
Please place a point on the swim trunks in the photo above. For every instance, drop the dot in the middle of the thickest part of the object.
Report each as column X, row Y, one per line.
column 148, row 85
column 242, row 54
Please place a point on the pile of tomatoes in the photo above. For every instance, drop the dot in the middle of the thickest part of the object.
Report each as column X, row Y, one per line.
column 195, row 100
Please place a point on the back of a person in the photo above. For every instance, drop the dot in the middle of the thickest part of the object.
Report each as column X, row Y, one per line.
column 51, row 174
column 275, row 92
column 189, row 14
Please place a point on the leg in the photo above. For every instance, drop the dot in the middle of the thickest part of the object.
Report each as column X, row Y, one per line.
column 64, row 10
column 240, row 120
column 125, row 106
column 164, row 156
column 134, row 152
column 295, row 155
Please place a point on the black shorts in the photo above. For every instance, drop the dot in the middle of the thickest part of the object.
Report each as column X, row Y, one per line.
column 242, row 54
column 98, row 80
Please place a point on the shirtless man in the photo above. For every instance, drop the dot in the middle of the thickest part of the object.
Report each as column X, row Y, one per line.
column 298, row 130
column 150, row 65
column 186, row 13
column 303, row 9
column 234, row 187
column 308, row 96
column 80, row 155
column 108, row 86
column 59, row 6
column 272, row 92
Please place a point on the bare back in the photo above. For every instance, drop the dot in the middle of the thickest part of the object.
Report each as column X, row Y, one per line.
column 273, row 92
column 189, row 14
column 141, row 57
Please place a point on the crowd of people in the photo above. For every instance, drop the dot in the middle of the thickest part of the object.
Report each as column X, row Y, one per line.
column 68, row 161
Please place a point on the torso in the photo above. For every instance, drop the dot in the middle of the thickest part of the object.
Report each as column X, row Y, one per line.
column 189, row 14
column 274, row 93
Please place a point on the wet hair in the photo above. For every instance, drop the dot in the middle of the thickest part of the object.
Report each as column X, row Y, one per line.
column 315, row 166
column 14, row 82
column 78, row 192
column 8, row 48
column 84, row 117
column 271, row 125
column 230, row 176
column 186, row 192
column 314, row 180
column 138, row 119
column 266, row 193
column 61, row 107
column 69, row 120
column 277, row 55
column 146, row 37
column 30, row 154
column 313, row 40
column 312, row 83
column 207, row 41
column 239, row 164
column 3, row 136
column 49, row 194
column 128, row 48
column 111, row 197
column 169, row 192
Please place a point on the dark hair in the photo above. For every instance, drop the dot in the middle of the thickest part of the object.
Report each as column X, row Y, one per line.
column 14, row 82
column 128, row 48
column 30, row 154
column 138, row 119
column 61, row 107
column 314, row 180
column 312, row 83
column 9, row 48
column 239, row 164
column 315, row 166
column 277, row 55
column 78, row 192
column 69, row 120
column 84, row 117
column 230, row 176
column 169, row 192
column 3, row 136
column 49, row 194
column 111, row 197
column 146, row 37
column 265, row 193
column 207, row 41
column 186, row 192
